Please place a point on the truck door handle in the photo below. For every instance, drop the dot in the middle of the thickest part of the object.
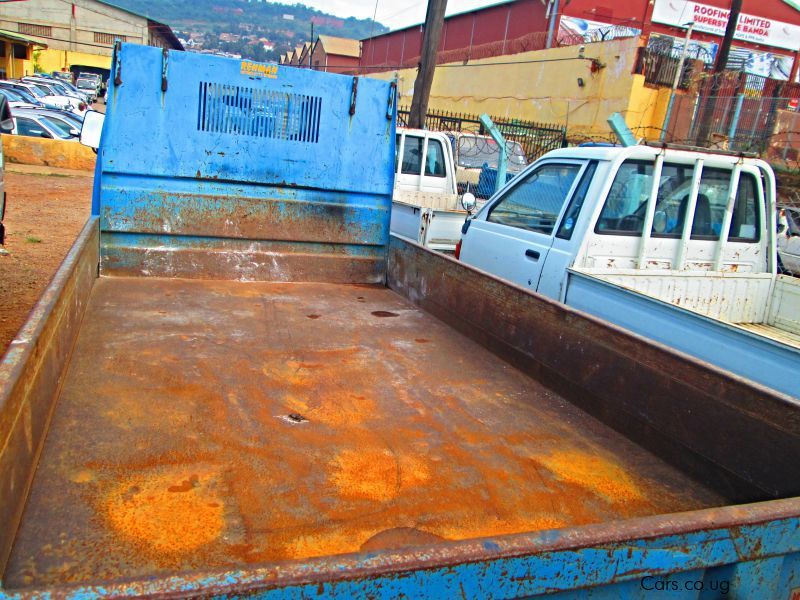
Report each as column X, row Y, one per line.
column 532, row 254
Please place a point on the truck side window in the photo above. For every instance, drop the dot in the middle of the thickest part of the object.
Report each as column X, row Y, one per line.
column 576, row 203
column 746, row 218
column 412, row 155
column 709, row 212
column 623, row 212
column 434, row 160
column 535, row 203
column 397, row 140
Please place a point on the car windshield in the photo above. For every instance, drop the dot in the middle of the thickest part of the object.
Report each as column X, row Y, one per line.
column 59, row 128
column 44, row 89
column 12, row 95
column 474, row 151
column 32, row 91
column 86, row 84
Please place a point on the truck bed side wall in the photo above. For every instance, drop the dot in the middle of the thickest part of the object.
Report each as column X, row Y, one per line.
column 31, row 374
column 741, row 438
column 244, row 171
column 785, row 306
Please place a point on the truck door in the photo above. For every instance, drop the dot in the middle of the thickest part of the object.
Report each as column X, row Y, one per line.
column 421, row 164
column 513, row 233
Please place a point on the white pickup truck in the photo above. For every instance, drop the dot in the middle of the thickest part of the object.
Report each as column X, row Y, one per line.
column 425, row 205
column 675, row 245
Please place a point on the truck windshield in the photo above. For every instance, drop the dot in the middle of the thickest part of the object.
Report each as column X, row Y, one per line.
column 474, row 151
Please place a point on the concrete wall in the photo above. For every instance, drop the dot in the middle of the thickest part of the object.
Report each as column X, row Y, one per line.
column 541, row 86
column 58, row 60
column 50, row 153
column 647, row 109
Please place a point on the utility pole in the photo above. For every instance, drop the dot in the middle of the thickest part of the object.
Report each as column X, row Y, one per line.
column 719, row 66
column 434, row 21
column 311, row 51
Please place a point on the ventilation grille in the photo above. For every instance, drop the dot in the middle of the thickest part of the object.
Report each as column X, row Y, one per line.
column 258, row 113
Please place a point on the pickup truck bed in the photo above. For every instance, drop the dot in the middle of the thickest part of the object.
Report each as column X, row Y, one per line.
column 172, row 446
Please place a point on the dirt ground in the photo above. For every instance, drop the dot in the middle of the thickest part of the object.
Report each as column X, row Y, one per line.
column 45, row 211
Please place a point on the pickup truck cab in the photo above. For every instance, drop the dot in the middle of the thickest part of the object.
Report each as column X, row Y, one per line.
column 675, row 245
column 425, row 205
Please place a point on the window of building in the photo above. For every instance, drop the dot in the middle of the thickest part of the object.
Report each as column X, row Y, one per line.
column 20, row 51
column 108, row 38
column 37, row 30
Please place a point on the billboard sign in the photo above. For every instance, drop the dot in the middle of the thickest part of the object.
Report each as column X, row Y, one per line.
column 714, row 20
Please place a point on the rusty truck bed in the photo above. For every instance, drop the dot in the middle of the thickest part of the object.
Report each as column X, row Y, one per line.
column 210, row 424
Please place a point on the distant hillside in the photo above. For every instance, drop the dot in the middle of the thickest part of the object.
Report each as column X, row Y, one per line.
column 287, row 25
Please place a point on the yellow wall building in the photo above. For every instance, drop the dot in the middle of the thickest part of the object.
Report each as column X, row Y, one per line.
column 16, row 54
column 560, row 85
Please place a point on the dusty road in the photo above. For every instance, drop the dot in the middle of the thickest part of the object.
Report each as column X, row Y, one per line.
column 46, row 210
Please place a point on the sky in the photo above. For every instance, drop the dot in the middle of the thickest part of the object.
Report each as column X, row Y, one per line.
column 392, row 13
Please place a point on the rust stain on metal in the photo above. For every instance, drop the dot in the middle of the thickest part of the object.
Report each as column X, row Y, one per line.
column 165, row 454
column 174, row 511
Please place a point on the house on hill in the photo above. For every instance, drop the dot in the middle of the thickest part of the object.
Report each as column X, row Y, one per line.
column 336, row 55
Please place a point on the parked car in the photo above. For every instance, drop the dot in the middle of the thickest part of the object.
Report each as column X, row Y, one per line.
column 57, row 88
column 87, row 86
column 63, row 87
column 35, row 123
column 425, row 206
column 63, row 75
column 651, row 240
column 46, row 97
column 96, row 79
column 17, row 100
column 789, row 241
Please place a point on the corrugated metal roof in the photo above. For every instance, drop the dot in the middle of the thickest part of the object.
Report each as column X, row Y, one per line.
column 340, row 46
column 18, row 37
column 163, row 28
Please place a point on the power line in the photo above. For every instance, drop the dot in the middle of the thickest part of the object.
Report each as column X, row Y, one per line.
column 459, row 66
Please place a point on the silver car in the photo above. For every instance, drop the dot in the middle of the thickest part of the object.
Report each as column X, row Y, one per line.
column 38, row 123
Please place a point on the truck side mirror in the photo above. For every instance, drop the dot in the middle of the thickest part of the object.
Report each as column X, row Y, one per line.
column 468, row 201
column 92, row 128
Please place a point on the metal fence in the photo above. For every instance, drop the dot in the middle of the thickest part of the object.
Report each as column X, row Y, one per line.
column 766, row 125
column 535, row 138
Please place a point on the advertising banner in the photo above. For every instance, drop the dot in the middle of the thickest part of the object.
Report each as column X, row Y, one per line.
column 713, row 20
